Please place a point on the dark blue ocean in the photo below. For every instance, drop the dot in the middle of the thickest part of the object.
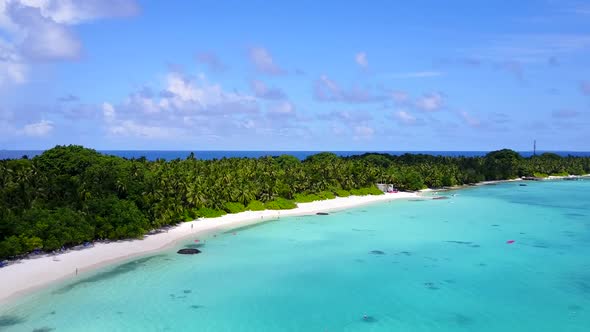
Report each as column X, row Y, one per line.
column 208, row 155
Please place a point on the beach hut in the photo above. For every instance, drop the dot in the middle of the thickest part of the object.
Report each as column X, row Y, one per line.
column 386, row 187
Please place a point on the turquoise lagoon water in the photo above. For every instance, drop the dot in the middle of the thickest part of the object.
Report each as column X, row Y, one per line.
column 431, row 265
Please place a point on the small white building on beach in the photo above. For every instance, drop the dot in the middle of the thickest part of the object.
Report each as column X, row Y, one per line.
column 386, row 187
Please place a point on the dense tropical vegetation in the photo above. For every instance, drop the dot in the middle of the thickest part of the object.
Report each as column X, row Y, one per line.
column 70, row 195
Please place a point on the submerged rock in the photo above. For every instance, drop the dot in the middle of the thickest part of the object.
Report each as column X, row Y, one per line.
column 9, row 320
column 460, row 242
column 369, row 319
column 431, row 285
column 189, row 251
column 44, row 329
column 377, row 252
column 574, row 307
column 322, row 213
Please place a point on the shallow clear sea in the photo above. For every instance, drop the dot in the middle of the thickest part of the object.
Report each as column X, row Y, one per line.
column 429, row 265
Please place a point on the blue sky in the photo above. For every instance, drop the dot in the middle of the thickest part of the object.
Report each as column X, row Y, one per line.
column 299, row 75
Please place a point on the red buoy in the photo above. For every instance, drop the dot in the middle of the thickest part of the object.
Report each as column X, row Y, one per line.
column 510, row 241
column 196, row 240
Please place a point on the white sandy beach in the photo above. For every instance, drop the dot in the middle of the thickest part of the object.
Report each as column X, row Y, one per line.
column 30, row 274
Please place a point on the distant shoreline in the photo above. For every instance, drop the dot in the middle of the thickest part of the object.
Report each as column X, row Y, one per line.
column 28, row 275
column 300, row 154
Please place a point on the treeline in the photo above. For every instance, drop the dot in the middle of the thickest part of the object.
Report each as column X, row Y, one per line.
column 70, row 195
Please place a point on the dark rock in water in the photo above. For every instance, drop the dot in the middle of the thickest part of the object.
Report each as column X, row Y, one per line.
column 369, row 319
column 441, row 197
column 522, row 185
column 460, row 242
column 574, row 215
column 322, row 213
column 187, row 291
column 407, row 253
column 196, row 306
column 44, row 329
column 10, row 320
column 430, row 285
column 463, row 320
column 495, row 225
column 362, row 230
column 189, row 251
column 377, row 252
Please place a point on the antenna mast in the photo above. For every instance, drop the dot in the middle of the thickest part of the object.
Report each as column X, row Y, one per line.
column 534, row 147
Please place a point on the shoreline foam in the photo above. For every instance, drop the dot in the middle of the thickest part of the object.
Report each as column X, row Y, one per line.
column 28, row 275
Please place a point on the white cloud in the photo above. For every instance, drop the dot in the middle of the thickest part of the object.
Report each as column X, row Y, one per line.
column 41, row 30
column 261, row 90
column 363, row 132
column 79, row 11
column 283, row 108
column 196, row 95
column 143, row 101
column 361, row 59
column 191, row 106
column 108, row 112
column 347, row 117
column 132, row 128
column 399, row 97
column 470, row 120
column 248, row 124
column 263, row 61
column 38, row 129
column 405, row 117
column 326, row 90
column 12, row 67
column 430, row 102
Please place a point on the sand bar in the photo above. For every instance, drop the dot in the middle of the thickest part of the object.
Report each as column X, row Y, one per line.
column 28, row 275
